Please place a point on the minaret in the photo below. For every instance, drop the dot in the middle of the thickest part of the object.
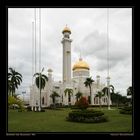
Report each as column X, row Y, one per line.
column 66, row 41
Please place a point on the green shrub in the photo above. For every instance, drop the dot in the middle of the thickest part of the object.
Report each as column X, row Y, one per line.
column 15, row 103
column 42, row 110
column 28, row 108
column 126, row 110
column 87, row 116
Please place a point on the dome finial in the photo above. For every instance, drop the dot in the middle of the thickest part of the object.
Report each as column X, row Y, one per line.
column 80, row 58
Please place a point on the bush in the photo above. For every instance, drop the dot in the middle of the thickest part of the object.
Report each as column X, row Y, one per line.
column 42, row 110
column 28, row 108
column 15, row 103
column 126, row 110
column 82, row 103
column 87, row 116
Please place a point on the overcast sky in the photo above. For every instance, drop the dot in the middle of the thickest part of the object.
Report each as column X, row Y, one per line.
column 89, row 35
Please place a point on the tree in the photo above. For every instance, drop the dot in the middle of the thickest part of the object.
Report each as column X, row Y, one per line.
column 14, row 80
column 130, row 92
column 53, row 96
column 107, row 90
column 40, row 82
column 100, row 94
column 116, row 98
column 69, row 92
column 82, row 103
column 9, row 87
column 78, row 95
column 12, row 101
column 88, row 83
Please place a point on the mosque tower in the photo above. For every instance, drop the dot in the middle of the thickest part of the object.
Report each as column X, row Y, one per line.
column 66, row 41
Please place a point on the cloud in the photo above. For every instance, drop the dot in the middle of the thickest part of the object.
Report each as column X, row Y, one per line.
column 95, row 45
column 88, row 26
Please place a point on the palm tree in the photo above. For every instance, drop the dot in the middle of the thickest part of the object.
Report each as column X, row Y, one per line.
column 130, row 92
column 40, row 82
column 88, row 83
column 14, row 80
column 108, row 90
column 100, row 94
column 115, row 98
column 69, row 92
column 78, row 95
column 53, row 96
column 9, row 87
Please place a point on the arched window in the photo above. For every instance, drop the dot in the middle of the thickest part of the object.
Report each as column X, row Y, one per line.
column 43, row 100
column 94, row 100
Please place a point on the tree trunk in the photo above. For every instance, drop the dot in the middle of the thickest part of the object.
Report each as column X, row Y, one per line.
column 40, row 99
column 54, row 102
column 100, row 102
column 90, row 93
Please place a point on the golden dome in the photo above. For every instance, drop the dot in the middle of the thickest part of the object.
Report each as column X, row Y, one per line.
column 80, row 65
column 66, row 29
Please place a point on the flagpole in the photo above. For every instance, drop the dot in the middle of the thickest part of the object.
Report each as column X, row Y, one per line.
column 108, row 78
column 40, row 55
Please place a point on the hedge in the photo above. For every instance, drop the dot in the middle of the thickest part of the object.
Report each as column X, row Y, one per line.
column 87, row 116
column 126, row 110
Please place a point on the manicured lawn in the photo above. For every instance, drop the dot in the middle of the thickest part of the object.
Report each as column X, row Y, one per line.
column 54, row 121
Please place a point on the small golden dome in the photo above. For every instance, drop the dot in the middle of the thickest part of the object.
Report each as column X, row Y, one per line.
column 80, row 65
column 66, row 29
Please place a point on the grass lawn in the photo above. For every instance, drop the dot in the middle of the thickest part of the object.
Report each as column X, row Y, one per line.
column 54, row 121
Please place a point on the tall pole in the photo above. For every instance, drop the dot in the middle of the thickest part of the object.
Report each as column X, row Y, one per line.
column 35, row 37
column 32, row 61
column 40, row 55
column 32, row 50
column 108, row 78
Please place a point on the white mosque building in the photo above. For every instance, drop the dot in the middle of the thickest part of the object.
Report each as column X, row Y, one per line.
column 80, row 71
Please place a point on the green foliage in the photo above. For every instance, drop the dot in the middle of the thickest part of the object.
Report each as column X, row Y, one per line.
column 100, row 94
column 129, row 91
column 106, row 90
column 87, row 116
column 40, row 80
column 69, row 92
column 12, row 101
column 14, row 80
column 88, row 83
column 126, row 110
column 82, row 103
column 54, row 95
column 78, row 95
column 118, row 99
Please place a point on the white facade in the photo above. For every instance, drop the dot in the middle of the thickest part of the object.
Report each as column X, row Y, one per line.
column 81, row 71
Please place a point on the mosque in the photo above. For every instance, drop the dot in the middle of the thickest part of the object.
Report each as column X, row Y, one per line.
column 80, row 71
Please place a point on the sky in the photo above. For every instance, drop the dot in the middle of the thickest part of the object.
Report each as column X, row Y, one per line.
column 89, row 34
